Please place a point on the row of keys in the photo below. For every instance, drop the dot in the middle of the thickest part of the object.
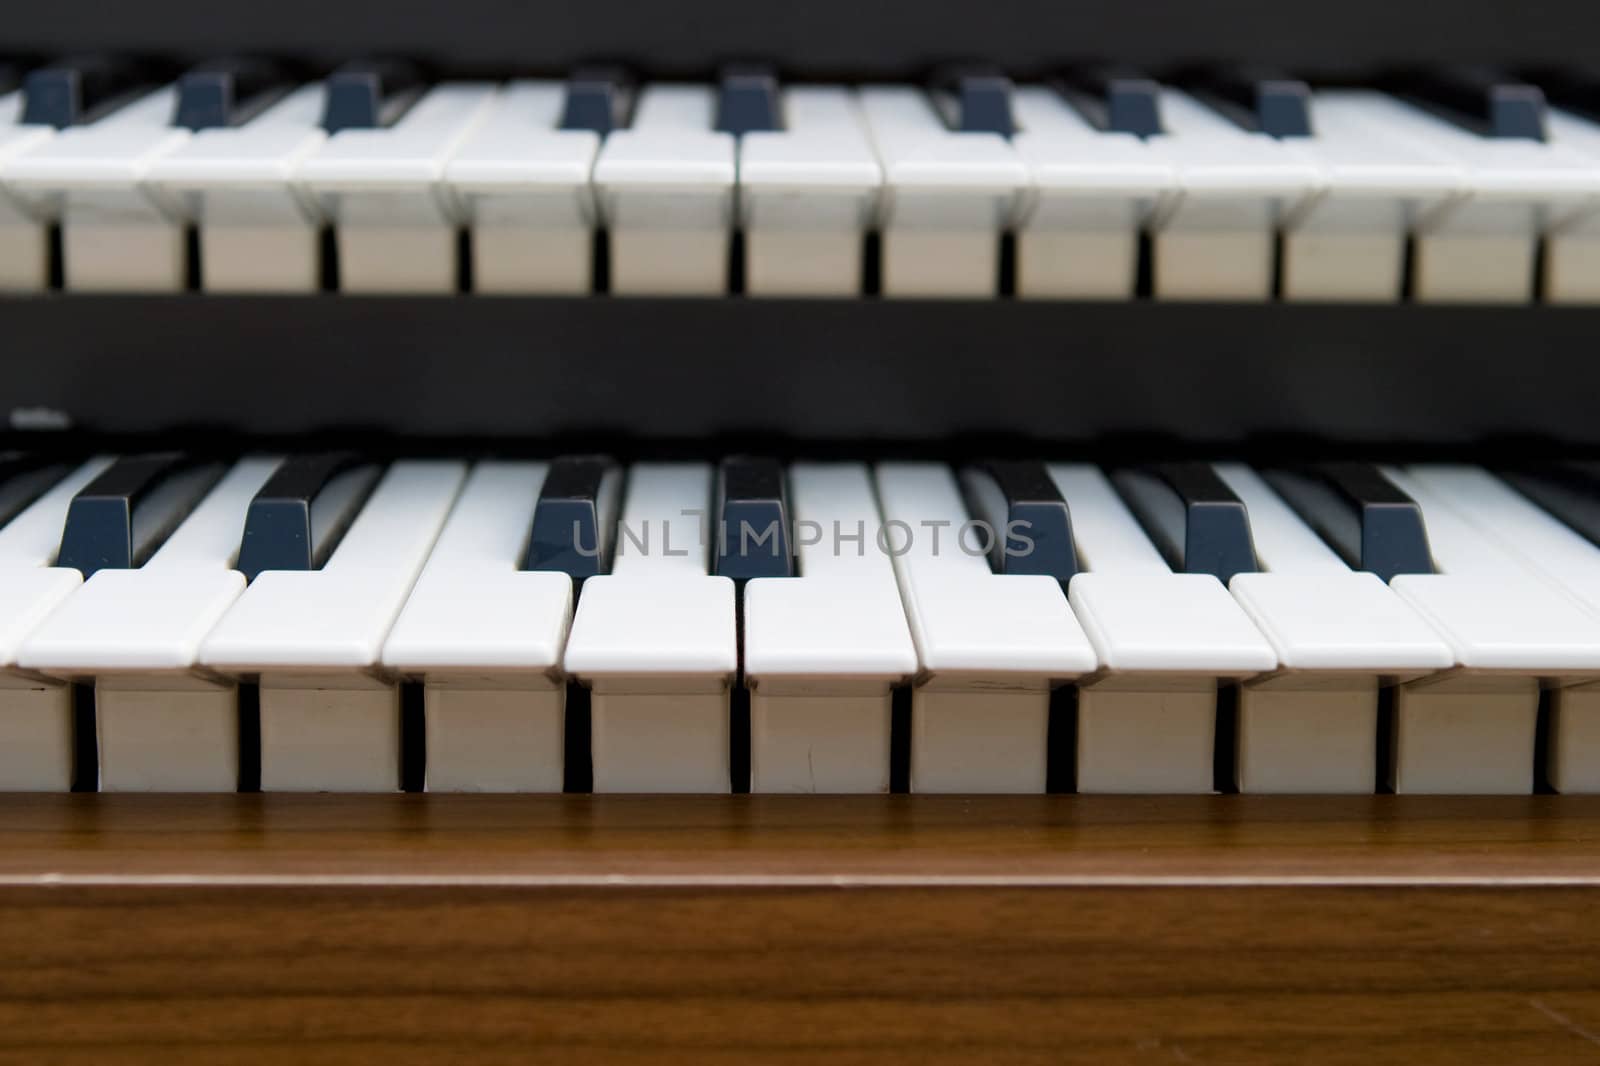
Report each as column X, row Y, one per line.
column 1466, row 188
column 703, row 628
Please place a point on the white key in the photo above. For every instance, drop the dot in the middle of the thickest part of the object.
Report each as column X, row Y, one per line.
column 1567, row 560
column 162, row 725
column 947, row 197
column 486, row 639
column 807, row 195
column 666, row 189
column 116, row 236
column 330, row 715
column 1147, row 721
column 1214, row 240
column 1480, row 247
column 990, row 646
column 258, row 229
column 384, row 191
column 822, row 651
column 522, row 184
column 1350, row 241
column 1091, row 193
column 24, row 241
column 1312, row 726
column 1572, row 252
column 1473, row 730
column 657, row 643
column 36, row 712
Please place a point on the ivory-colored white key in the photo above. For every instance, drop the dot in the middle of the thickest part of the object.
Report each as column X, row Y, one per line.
column 24, row 241
column 1572, row 251
column 486, row 639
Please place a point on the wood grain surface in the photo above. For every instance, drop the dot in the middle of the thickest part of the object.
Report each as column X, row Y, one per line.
column 416, row 929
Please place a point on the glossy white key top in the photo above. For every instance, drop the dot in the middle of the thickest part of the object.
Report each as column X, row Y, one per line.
column 163, row 726
column 35, row 711
column 1511, row 631
column 24, row 241
column 486, row 639
column 383, row 189
column 807, row 195
column 990, row 646
column 116, row 236
column 1147, row 722
column 657, row 643
column 948, row 196
column 258, row 229
column 666, row 189
column 330, row 715
column 522, row 185
column 1214, row 240
column 823, row 650
column 1312, row 725
column 1090, row 194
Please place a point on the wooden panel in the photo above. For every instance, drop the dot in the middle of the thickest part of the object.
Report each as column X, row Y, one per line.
column 908, row 929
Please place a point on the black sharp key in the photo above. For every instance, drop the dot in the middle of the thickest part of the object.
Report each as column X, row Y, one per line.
column 369, row 94
column 975, row 99
column 753, row 520
column 24, row 477
column 1485, row 101
column 74, row 91
column 119, row 519
column 748, row 101
column 299, row 516
column 599, row 99
column 1192, row 516
column 1260, row 101
column 1569, row 491
column 575, row 520
column 227, row 92
column 1359, row 513
column 1114, row 99
column 1032, row 527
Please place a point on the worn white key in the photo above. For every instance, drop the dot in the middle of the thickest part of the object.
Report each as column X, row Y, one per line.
column 990, row 647
column 116, row 235
column 657, row 643
column 1312, row 725
column 822, row 651
column 522, row 185
column 36, row 711
column 486, row 638
column 330, row 714
column 1147, row 721
column 1091, row 192
column 666, row 190
column 807, row 195
column 24, row 240
column 163, row 725
column 258, row 229
column 1473, row 730
column 384, row 190
column 947, row 197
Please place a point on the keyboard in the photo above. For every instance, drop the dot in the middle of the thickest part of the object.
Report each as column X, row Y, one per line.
column 179, row 621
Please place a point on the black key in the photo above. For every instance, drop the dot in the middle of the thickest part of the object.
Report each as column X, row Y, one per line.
column 298, row 517
column 599, row 99
column 1192, row 516
column 119, row 519
column 1362, row 515
column 24, row 477
column 1032, row 526
column 74, row 91
column 370, row 94
column 1260, row 101
column 1569, row 491
column 975, row 100
column 748, row 101
column 1114, row 99
column 752, row 520
column 227, row 92
column 575, row 520
column 1481, row 100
